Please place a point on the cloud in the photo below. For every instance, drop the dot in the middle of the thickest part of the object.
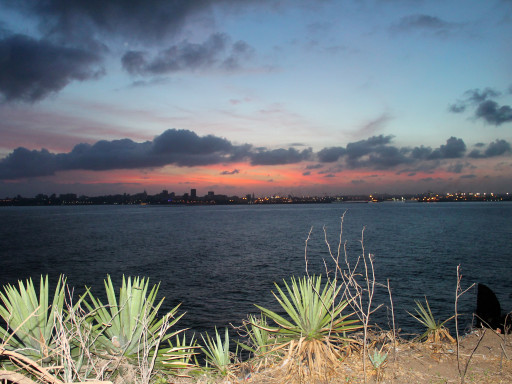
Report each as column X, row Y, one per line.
column 485, row 108
column 331, row 154
column 491, row 112
column 422, row 22
column 32, row 69
column 184, row 148
column 77, row 33
column 143, row 21
column 233, row 172
column 364, row 147
column 189, row 56
column 477, row 96
column 496, row 148
column 25, row 163
column 178, row 147
column 453, row 149
column 377, row 152
column 280, row 156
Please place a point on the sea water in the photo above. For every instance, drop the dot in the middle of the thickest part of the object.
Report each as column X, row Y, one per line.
column 218, row 261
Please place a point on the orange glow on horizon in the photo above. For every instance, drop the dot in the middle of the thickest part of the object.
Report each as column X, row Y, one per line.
column 242, row 178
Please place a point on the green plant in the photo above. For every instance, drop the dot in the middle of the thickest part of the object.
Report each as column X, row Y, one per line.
column 123, row 324
column 217, row 353
column 31, row 319
column 378, row 359
column 435, row 330
column 315, row 332
column 179, row 356
column 260, row 341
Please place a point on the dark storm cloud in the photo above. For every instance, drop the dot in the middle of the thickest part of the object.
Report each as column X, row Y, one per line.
column 364, row 147
column 25, row 163
column 32, row 69
column 388, row 157
column 331, row 154
column 184, row 148
column 280, row 156
column 148, row 20
column 188, row 56
column 453, row 149
column 377, row 152
column 491, row 112
column 178, row 147
column 496, row 148
column 485, row 108
column 75, row 34
column 476, row 96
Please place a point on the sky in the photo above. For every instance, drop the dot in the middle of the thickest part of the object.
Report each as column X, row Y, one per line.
column 266, row 97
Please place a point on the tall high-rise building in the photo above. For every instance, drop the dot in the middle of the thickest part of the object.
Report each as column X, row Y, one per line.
column 193, row 193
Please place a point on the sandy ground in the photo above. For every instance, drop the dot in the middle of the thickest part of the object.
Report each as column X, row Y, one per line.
column 489, row 355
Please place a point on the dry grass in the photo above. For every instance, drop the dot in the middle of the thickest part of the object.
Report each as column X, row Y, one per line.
column 421, row 363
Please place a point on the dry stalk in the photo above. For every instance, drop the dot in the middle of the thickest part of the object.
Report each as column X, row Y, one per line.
column 359, row 295
column 458, row 293
column 394, row 328
column 147, row 364
column 30, row 366
column 75, row 333
column 14, row 377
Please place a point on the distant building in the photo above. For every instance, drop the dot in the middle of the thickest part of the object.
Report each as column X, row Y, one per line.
column 193, row 194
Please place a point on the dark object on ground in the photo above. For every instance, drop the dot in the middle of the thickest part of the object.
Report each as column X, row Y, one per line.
column 488, row 311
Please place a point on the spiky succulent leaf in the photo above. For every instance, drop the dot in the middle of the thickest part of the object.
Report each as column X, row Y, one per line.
column 314, row 312
column 217, row 352
column 30, row 316
column 122, row 322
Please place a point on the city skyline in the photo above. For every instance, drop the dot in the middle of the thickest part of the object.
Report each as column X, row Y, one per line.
column 267, row 97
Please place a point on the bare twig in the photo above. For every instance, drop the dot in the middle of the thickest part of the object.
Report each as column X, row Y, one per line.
column 458, row 293
column 393, row 322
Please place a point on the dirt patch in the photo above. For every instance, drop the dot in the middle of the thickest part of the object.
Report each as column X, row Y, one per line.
column 489, row 352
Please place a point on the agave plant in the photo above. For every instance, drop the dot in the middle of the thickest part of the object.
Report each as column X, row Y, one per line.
column 315, row 332
column 179, row 356
column 217, row 353
column 378, row 359
column 124, row 323
column 436, row 331
column 30, row 318
column 261, row 341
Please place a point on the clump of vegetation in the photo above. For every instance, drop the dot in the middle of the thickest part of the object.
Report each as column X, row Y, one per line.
column 123, row 322
column 101, row 342
column 30, row 318
column 314, row 336
column 218, row 355
column 378, row 360
column 435, row 331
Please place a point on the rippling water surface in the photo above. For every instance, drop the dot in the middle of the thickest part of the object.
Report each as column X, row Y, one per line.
column 218, row 261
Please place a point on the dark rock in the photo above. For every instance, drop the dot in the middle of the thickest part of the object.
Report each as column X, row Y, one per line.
column 488, row 310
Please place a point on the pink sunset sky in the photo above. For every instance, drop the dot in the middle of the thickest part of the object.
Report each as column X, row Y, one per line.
column 264, row 97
